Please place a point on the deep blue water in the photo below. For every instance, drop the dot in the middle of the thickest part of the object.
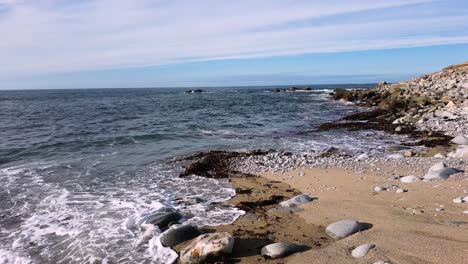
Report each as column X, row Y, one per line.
column 77, row 166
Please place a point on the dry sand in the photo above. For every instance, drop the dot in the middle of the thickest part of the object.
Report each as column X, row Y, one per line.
column 406, row 226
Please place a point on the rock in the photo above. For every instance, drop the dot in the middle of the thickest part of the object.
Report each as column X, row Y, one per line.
column 439, row 156
column 465, row 212
column 297, row 200
column 395, row 156
column 439, row 171
column 284, row 209
column 382, row 83
column 398, row 129
column 381, row 262
column 178, row 235
column 460, row 140
column 207, row 247
column 400, row 190
column 363, row 156
column 343, row 228
column 163, row 220
column 378, row 189
column 460, row 152
column 408, row 153
column 465, row 199
column 281, row 249
column 458, row 200
column 409, row 179
column 362, row 250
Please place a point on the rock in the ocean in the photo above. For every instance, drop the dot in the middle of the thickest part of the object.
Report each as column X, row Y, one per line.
column 297, row 200
column 395, row 156
column 163, row 220
column 362, row 250
column 409, row 179
column 178, row 235
column 343, row 228
column 281, row 249
column 207, row 247
column 439, row 172
column 460, row 140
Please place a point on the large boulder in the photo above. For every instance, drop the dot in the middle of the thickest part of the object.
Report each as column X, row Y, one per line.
column 281, row 249
column 343, row 228
column 164, row 219
column 362, row 250
column 439, row 171
column 207, row 248
column 297, row 200
column 175, row 236
column 460, row 140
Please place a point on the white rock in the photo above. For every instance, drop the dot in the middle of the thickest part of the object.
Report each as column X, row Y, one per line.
column 439, row 171
column 281, row 249
column 395, row 156
column 458, row 200
column 363, row 156
column 381, row 262
column 460, row 140
column 378, row 189
column 400, row 190
column 465, row 212
column 439, row 156
column 460, row 152
column 343, row 228
column 409, row 179
column 362, row 250
column 465, row 199
column 208, row 245
column 297, row 200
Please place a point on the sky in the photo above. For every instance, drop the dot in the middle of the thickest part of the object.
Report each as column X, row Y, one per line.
column 186, row 43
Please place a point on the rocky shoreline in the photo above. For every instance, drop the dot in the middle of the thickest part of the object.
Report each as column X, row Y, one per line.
column 278, row 190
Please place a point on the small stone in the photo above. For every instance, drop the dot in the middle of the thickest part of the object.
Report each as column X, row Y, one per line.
column 400, row 190
column 363, row 156
column 465, row 212
column 362, row 250
column 297, row 200
column 381, row 262
column 408, row 153
column 458, row 200
column 409, row 179
column 398, row 129
column 439, row 156
column 395, row 156
column 207, row 246
column 439, row 171
column 378, row 189
column 281, row 249
column 460, row 140
column 343, row 228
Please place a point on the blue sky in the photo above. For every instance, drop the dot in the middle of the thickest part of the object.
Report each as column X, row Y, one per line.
column 161, row 43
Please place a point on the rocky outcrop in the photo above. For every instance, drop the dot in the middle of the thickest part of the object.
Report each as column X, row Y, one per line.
column 434, row 102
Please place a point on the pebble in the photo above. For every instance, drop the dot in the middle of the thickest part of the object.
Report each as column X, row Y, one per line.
column 439, row 156
column 400, row 190
column 409, row 179
column 458, row 200
column 297, row 200
column 362, row 250
column 343, row 228
column 395, row 156
column 378, row 189
column 465, row 212
column 281, row 249
column 363, row 156
column 381, row 262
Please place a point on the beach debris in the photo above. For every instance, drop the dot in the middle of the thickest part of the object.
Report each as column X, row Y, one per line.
column 343, row 228
column 281, row 249
column 180, row 234
column 409, row 179
column 439, row 171
column 460, row 140
column 297, row 200
column 207, row 247
column 362, row 250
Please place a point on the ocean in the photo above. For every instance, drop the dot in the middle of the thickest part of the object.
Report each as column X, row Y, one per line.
column 81, row 169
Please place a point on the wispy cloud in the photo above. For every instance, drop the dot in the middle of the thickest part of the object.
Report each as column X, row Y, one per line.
column 54, row 36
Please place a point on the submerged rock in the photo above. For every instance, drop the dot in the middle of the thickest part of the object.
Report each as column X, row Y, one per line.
column 207, row 248
column 297, row 200
column 163, row 220
column 175, row 236
column 343, row 228
column 281, row 249
column 362, row 250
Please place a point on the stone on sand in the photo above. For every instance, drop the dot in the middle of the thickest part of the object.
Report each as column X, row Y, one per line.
column 458, row 200
column 439, row 171
column 363, row 156
column 409, row 179
column 207, row 247
column 178, row 235
column 378, row 189
column 395, row 156
column 281, row 249
column 362, row 250
column 400, row 190
column 460, row 140
column 297, row 200
column 343, row 228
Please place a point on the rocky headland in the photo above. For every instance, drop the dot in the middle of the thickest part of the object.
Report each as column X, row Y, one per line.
column 397, row 204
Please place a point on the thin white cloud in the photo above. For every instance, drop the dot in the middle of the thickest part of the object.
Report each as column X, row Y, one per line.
column 54, row 36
